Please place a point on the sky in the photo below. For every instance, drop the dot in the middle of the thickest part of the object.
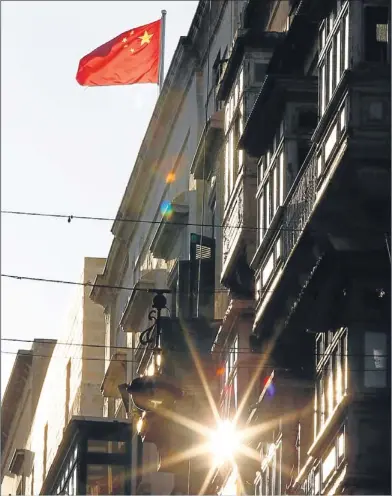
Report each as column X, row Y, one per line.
column 65, row 149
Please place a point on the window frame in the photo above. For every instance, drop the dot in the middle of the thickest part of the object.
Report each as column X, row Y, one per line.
column 333, row 42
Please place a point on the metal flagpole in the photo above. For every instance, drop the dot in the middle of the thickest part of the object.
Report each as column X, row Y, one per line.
column 162, row 52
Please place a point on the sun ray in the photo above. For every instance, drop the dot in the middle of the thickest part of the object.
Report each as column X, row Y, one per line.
column 253, row 430
column 201, row 373
column 255, row 376
column 207, row 480
column 184, row 421
column 249, row 452
column 168, row 462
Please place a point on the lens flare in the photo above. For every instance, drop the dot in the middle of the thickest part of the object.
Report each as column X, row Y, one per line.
column 224, row 442
column 166, row 208
column 170, row 178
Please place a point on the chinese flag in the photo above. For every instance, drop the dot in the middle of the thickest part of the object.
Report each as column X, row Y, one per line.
column 130, row 58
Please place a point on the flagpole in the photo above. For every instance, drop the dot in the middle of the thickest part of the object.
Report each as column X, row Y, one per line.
column 162, row 51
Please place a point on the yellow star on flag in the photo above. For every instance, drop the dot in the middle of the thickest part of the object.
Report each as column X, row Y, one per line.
column 146, row 38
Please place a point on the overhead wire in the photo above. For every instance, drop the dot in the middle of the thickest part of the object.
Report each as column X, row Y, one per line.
column 108, row 286
column 135, row 348
column 211, row 366
column 70, row 217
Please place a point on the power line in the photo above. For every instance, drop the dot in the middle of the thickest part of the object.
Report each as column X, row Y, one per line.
column 108, row 286
column 135, row 348
column 70, row 217
column 238, row 366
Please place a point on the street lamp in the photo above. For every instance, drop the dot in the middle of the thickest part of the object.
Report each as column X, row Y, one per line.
column 224, row 442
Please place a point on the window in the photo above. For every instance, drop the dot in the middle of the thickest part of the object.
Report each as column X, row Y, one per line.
column 233, row 156
column 230, row 381
column 375, row 375
column 67, row 393
column 329, row 464
column 332, row 373
column 105, row 479
column 334, row 52
column 271, row 263
column 45, row 457
column 258, row 72
column 376, row 34
column 271, row 474
column 332, row 461
column 270, row 192
column 307, row 119
column 331, row 140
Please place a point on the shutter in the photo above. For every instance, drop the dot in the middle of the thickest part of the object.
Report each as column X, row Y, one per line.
column 202, row 250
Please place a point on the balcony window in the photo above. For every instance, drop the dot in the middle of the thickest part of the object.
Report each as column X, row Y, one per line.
column 331, row 140
column 261, row 217
column 270, row 481
column 376, row 33
column 271, row 263
column 230, row 382
column 334, row 52
column 271, row 189
column 105, row 479
column 375, row 366
column 332, row 375
column 233, row 128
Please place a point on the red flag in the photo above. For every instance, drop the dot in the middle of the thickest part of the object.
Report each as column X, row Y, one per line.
column 130, row 58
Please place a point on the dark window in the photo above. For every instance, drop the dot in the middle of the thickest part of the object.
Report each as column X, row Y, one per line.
column 303, row 150
column 259, row 72
column 307, row 119
column 376, row 34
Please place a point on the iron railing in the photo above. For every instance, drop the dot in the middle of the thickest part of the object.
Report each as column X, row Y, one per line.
column 302, row 198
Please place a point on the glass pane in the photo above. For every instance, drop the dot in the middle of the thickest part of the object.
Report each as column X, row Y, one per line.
column 261, row 217
column 375, row 359
column 105, row 479
column 346, row 42
column 338, row 51
column 275, row 186
column 103, row 446
column 267, row 204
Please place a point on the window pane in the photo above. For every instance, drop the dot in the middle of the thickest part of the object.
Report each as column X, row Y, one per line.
column 338, row 62
column 231, row 165
column 323, row 96
column 267, row 204
column 338, row 375
column 227, row 179
column 261, row 217
column 345, row 361
column 331, row 72
column 275, row 186
column 329, row 464
column 375, row 359
column 105, row 479
column 268, row 269
column 281, row 178
column 346, row 42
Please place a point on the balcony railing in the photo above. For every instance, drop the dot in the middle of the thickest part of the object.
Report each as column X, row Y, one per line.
column 300, row 205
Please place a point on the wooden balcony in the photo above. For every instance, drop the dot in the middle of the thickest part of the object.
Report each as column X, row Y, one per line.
column 340, row 200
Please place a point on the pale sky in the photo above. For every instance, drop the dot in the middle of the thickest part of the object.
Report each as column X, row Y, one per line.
column 64, row 149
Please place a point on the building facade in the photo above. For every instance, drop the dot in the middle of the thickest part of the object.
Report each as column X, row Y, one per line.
column 51, row 384
column 260, row 201
column 17, row 414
